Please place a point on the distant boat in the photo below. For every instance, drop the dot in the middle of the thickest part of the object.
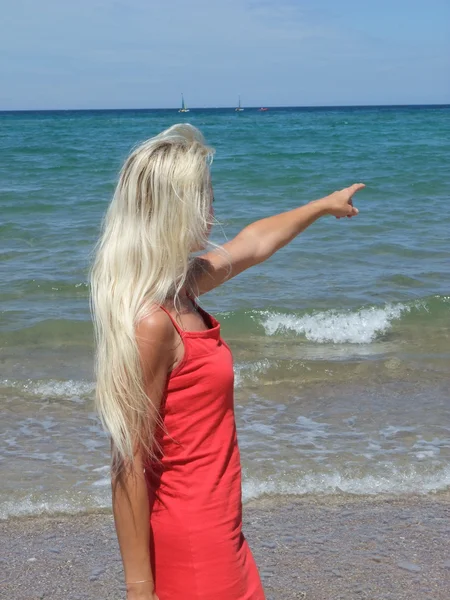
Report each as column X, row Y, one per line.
column 262, row 109
column 183, row 105
column 239, row 107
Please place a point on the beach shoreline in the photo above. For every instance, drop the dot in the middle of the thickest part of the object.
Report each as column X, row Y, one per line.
column 313, row 547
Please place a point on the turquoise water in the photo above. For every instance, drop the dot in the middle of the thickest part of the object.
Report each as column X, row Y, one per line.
column 341, row 340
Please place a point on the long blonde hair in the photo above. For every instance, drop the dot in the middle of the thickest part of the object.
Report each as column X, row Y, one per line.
column 159, row 214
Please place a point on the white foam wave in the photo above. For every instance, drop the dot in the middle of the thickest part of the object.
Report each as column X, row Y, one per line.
column 337, row 327
column 70, row 505
column 393, row 481
column 249, row 371
column 52, row 388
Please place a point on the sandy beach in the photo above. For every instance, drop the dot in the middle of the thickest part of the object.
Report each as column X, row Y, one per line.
column 332, row 548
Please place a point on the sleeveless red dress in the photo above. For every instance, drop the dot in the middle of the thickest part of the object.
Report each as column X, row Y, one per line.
column 198, row 549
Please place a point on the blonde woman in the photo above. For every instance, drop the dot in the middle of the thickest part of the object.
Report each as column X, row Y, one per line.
column 165, row 375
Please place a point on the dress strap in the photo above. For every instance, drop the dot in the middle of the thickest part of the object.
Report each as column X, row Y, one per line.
column 174, row 323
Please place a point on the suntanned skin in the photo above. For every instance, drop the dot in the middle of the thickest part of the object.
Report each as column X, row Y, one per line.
column 161, row 349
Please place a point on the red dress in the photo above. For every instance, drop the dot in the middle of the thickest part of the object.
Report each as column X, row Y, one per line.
column 197, row 546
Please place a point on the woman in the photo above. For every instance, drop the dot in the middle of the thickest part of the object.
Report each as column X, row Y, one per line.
column 165, row 376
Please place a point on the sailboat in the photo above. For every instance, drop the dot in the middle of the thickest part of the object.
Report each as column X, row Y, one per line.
column 239, row 108
column 183, row 108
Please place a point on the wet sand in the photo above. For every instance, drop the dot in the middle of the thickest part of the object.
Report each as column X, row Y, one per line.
column 331, row 548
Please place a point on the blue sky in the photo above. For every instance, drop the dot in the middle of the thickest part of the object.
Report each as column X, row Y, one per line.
column 143, row 53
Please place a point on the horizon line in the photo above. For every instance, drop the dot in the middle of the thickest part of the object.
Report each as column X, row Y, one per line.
column 199, row 108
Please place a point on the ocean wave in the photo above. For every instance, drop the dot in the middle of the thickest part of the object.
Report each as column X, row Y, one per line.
column 69, row 389
column 338, row 327
column 393, row 481
column 249, row 371
column 64, row 504
column 359, row 325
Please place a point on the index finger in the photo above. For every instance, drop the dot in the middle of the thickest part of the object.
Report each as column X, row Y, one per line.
column 355, row 188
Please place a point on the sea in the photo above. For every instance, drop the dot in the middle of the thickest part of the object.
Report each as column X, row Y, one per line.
column 341, row 340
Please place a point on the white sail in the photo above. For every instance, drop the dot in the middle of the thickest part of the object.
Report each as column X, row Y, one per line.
column 183, row 108
column 239, row 107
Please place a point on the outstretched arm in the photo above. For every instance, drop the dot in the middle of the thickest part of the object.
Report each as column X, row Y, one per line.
column 258, row 241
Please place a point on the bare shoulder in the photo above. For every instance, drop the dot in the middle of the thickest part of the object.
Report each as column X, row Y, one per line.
column 155, row 328
column 156, row 339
